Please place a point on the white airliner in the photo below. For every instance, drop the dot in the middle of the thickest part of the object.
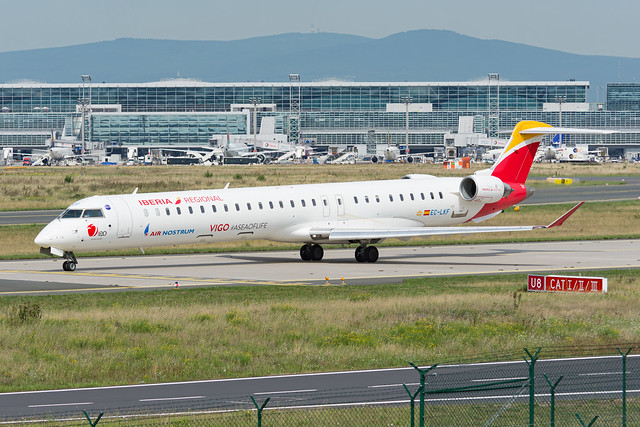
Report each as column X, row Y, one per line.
column 362, row 213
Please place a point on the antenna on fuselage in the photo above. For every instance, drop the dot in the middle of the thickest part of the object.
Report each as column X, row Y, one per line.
column 135, row 191
column 226, row 186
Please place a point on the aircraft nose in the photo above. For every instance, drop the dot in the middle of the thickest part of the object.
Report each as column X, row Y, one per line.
column 46, row 237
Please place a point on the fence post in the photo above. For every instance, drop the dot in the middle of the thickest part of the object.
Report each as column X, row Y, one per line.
column 93, row 423
column 413, row 403
column 553, row 398
column 423, row 373
column 260, row 408
column 624, row 385
column 582, row 422
column 531, row 364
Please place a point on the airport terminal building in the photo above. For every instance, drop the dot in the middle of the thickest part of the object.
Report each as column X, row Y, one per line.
column 186, row 113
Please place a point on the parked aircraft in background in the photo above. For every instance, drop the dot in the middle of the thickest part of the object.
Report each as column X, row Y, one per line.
column 360, row 213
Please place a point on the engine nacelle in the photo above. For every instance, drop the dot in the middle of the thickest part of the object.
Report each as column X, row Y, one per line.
column 483, row 188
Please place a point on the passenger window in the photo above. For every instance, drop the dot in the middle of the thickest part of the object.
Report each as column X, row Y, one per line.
column 411, row 196
column 168, row 211
column 340, row 201
column 157, row 212
column 146, row 212
column 201, row 209
column 325, row 202
column 248, row 206
column 422, row 196
column 401, row 198
column 178, row 210
column 271, row 205
column 366, row 199
column 432, row 196
column 303, row 203
column 355, row 199
column 226, row 208
column 190, row 210
column 213, row 208
column 237, row 207
column 390, row 198
column 292, row 204
column 281, row 204
column 260, row 205
column 377, row 199
column 440, row 193
column 313, row 202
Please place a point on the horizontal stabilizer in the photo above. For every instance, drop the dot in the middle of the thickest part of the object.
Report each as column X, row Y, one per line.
column 575, row 131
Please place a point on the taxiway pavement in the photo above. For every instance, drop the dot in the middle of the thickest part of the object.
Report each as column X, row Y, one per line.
column 284, row 268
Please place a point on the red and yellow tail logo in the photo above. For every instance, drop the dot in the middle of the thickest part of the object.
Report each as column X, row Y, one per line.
column 516, row 159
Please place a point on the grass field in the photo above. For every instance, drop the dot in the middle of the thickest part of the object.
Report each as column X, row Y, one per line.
column 121, row 338
column 129, row 337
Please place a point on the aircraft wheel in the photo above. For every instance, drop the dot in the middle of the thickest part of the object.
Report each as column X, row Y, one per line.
column 374, row 159
column 69, row 266
column 305, row 252
column 360, row 253
column 371, row 254
column 316, row 252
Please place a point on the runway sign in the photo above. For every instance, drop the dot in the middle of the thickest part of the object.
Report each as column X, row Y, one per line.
column 579, row 284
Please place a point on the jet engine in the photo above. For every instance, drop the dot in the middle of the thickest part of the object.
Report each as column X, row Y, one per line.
column 484, row 189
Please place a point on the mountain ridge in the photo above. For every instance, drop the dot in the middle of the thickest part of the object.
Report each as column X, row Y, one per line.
column 418, row 55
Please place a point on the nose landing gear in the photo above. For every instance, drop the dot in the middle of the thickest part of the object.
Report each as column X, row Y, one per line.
column 70, row 263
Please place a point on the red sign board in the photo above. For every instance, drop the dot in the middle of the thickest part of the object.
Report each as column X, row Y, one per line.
column 579, row 284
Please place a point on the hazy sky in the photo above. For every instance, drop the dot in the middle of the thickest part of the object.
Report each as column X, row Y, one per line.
column 599, row 27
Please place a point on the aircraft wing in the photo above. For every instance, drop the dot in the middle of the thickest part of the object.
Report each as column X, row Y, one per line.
column 341, row 235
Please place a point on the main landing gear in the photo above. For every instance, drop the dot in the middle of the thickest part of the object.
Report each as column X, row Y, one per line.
column 309, row 252
column 70, row 263
column 367, row 254
column 314, row 252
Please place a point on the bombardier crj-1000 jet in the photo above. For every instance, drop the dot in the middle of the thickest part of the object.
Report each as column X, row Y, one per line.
column 362, row 213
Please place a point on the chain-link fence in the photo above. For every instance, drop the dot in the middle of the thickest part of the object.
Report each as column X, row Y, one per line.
column 540, row 389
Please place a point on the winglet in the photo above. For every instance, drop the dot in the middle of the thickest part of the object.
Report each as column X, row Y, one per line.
column 558, row 222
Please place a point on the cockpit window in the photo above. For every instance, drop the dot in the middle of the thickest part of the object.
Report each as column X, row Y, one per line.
column 71, row 213
column 92, row 213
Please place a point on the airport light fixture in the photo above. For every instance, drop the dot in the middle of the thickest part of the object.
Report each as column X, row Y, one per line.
column 86, row 78
column 406, row 100
column 560, row 100
column 255, row 101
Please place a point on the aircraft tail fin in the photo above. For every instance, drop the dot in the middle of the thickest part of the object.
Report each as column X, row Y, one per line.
column 514, row 163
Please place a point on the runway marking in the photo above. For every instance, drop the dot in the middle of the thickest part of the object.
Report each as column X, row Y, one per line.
column 595, row 374
column 46, row 291
column 170, row 279
column 171, row 398
column 60, row 404
column 499, row 379
column 286, row 392
column 391, row 385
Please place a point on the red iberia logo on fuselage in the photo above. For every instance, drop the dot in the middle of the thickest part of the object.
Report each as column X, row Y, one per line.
column 179, row 200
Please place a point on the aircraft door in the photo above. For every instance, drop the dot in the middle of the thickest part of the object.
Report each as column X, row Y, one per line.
column 123, row 213
column 340, row 204
column 325, row 205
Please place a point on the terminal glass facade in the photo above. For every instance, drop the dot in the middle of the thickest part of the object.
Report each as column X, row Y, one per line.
column 329, row 113
column 165, row 129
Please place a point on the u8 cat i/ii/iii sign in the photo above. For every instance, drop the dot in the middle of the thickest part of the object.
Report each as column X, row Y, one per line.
column 579, row 284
